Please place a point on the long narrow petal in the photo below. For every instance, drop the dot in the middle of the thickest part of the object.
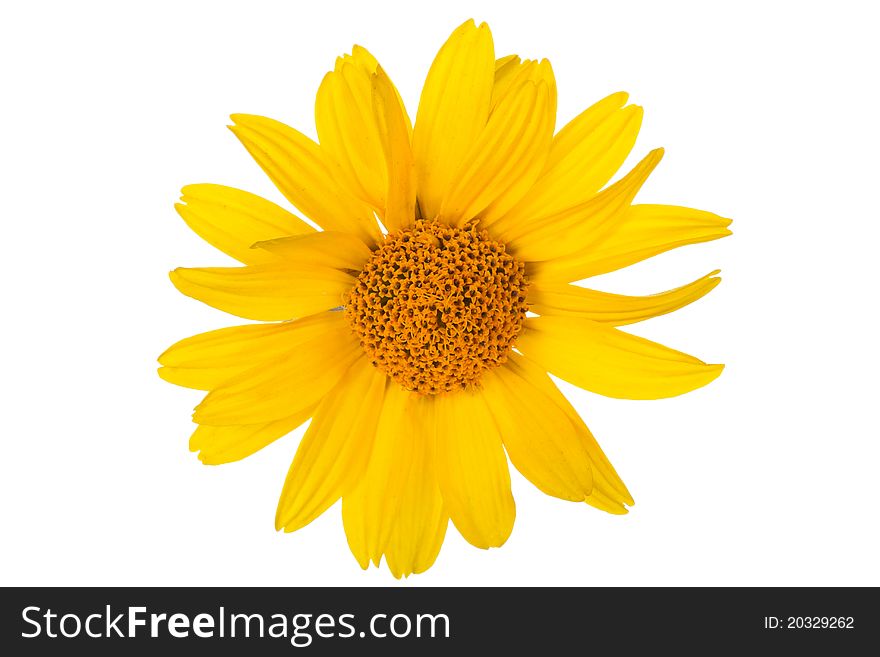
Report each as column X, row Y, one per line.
column 362, row 58
column 580, row 128
column 265, row 292
column 513, row 72
column 231, row 220
column 472, row 469
column 394, row 131
column 529, row 167
column 369, row 510
column 217, row 445
column 608, row 361
column 421, row 520
column 506, row 71
column 548, row 298
column 607, row 484
column 300, row 170
column 506, row 157
column 576, row 228
column 334, row 452
column 346, row 129
column 641, row 232
column 583, row 158
column 279, row 388
column 453, row 110
column 517, row 133
column 541, row 441
column 206, row 360
column 324, row 248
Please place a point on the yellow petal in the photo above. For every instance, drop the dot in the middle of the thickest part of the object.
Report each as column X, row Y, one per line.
column 334, row 452
column 501, row 62
column 231, row 220
column 601, row 501
column 517, row 134
column 578, row 169
column 577, row 228
column 641, row 232
column 506, row 70
column 508, row 154
column 324, row 248
column 508, row 76
column 606, row 482
column 348, row 134
column 549, row 298
column 300, row 170
column 206, row 360
column 608, row 361
column 217, row 445
column 472, row 469
column 540, row 440
column 394, row 131
column 362, row 58
column 512, row 73
column 529, row 167
column 265, row 292
column 369, row 510
column 587, row 125
column 421, row 521
column 281, row 387
column 452, row 111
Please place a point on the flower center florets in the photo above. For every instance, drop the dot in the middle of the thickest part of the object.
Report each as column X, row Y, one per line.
column 436, row 306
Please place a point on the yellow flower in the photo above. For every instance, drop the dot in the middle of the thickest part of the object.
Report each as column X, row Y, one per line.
column 419, row 344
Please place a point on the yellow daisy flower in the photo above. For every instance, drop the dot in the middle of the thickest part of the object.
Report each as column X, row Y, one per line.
column 417, row 325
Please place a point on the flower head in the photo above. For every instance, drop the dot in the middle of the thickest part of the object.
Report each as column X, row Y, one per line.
column 416, row 325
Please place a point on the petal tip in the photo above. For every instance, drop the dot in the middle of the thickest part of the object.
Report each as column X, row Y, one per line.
column 188, row 190
column 619, row 97
column 713, row 371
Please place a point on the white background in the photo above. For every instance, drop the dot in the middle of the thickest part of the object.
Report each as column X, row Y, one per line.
column 769, row 115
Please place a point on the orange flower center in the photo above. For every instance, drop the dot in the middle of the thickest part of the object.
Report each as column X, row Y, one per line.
column 436, row 306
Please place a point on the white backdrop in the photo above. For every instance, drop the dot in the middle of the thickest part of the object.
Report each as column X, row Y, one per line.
column 768, row 112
